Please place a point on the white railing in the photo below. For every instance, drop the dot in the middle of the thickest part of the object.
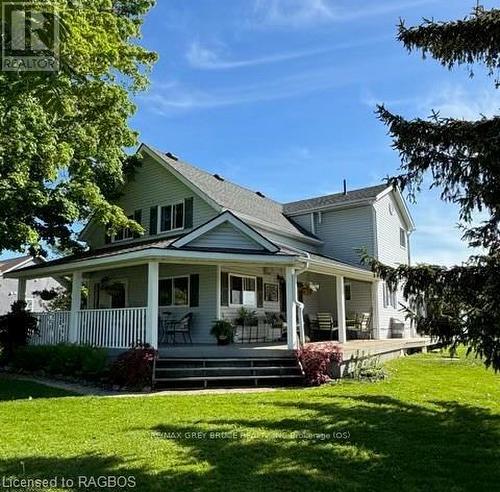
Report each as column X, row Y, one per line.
column 112, row 328
column 53, row 328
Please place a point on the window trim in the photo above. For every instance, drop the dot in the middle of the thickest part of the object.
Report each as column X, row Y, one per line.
column 254, row 278
column 125, row 231
column 172, row 278
column 403, row 233
column 172, row 205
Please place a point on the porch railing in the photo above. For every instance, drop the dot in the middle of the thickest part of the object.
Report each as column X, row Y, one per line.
column 112, row 328
column 53, row 328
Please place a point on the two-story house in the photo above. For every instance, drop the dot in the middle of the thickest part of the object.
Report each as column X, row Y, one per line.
column 212, row 247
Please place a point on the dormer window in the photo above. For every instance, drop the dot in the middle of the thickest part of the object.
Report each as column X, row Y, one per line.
column 172, row 217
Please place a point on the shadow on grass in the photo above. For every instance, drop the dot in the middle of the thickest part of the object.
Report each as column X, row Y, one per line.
column 392, row 445
column 12, row 388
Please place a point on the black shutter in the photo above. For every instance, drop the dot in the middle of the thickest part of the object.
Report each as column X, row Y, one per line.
column 224, row 289
column 153, row 221
column 107, row 237
column 194, row 290
column 138, row 219
column 188, row 213
column 260, row 292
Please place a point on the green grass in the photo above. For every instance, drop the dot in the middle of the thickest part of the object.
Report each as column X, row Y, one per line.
column 433, row 425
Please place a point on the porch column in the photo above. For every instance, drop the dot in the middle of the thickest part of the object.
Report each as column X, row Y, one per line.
column 152, row 307
column 375, row 318
column 291, row 309
column 21, row 289
column 76, row 305
column 341, row 309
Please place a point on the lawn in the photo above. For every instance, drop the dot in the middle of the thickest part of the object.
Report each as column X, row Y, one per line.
column 433, row 425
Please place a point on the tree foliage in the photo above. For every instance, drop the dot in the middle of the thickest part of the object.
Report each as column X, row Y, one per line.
column 63, row 134
column 458, row 304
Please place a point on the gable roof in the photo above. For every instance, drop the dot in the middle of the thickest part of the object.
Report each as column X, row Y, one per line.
column 304, row 206
column 13, row 263
column 226, row 217
column 247, row 204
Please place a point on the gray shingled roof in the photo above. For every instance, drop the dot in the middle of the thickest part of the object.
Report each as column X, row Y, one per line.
column 12, row 263
column 338, row 198
column 245, row 203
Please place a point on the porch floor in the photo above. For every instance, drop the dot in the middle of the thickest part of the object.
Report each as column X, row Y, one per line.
column 279, row 349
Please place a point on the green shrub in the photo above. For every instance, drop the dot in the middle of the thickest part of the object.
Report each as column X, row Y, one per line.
column 69, row 360
column 368, row 369
column 16, row 328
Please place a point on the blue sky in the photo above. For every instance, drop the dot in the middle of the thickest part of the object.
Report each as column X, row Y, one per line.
column 279, row 95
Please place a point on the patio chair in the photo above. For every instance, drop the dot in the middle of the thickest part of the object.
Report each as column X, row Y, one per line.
column 182, row 327
column 363, row 326
column 163, row 320
column 325, row 326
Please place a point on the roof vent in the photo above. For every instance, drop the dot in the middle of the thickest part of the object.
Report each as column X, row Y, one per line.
column 219, row 177
column 345, row 187
column 259, row 193
column 171, row 156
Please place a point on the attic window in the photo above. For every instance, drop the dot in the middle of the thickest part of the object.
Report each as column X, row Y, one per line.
column 218, row 177
column 259, row 193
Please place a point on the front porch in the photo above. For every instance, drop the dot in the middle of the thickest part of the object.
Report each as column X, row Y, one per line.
column 287, row 301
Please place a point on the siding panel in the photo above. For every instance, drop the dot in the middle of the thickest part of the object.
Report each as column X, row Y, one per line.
column 225, row 236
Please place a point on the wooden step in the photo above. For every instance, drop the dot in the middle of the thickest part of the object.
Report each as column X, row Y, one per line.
column 228, row 378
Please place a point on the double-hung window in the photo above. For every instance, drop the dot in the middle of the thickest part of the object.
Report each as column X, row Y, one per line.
column 402, row 237
column 390, row 297
column 172, row 217
column 243, row 290
column 173, row 291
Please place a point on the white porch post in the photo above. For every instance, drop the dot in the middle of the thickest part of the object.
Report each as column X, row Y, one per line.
column 76, row 305
column 375, row 310
column 21, row 289
column 152, row 307
column 341, row 308
column 291, row 310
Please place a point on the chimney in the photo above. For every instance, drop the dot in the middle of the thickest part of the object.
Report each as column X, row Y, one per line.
column 345, row 187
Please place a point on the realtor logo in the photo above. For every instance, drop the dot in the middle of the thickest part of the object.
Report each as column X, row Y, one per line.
column 30, row 37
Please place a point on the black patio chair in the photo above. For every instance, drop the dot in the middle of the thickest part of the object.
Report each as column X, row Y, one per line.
column 182, row 327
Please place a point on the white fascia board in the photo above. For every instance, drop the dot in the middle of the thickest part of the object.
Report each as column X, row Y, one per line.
column 329, row 267
column 235, row 222
column 152, row 254
column 333, row 206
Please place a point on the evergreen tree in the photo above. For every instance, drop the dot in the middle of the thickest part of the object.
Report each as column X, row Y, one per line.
column 460, row 304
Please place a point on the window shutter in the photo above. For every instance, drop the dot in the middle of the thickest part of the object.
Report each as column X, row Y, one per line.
column 138, row 219
column 153, row 221
column 194, row 290
column 107, row 237
column 260, row 292
column 188, row 213
column 224, row 289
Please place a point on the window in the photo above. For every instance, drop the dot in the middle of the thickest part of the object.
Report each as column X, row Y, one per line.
column 402, row 237
column 172, row 217
column 390, row 297
column 173, row 291
column 124, row 233
column 30, row 304
column 243, row 290
column 271, row 293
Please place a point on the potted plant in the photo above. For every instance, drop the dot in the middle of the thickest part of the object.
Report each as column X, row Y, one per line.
column 222, row 330
column 246, row 318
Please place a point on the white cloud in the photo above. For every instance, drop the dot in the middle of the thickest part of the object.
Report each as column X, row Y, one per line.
column 202, row 57
column 303, row 13
column 452, row 101
column 173, row 97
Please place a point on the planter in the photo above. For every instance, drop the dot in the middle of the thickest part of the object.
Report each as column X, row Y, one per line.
column 223, row 341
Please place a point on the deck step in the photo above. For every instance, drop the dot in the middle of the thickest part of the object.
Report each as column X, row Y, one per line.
column 181, row 372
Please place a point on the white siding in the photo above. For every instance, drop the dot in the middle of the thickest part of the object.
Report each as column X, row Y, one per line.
column 153, row 185
column 390, row 252
column 225, row 236
column 343, row 232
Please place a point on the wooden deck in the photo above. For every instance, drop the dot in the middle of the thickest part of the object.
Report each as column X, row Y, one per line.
column 358, row 348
